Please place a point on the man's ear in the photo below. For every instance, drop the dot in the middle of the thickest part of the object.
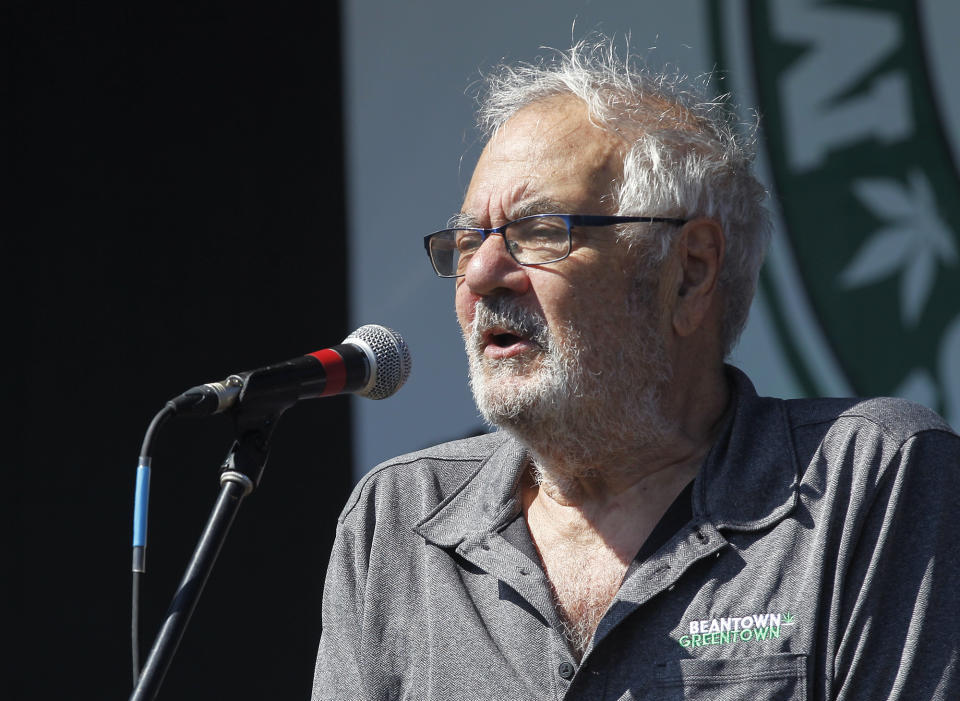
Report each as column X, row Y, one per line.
column 699, row 254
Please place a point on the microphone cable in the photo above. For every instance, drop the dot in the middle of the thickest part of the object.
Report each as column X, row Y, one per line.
column 140, row 506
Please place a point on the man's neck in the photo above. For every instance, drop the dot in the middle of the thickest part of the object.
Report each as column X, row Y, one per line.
column 588, row 520
column 614, row 471
column 587, row 530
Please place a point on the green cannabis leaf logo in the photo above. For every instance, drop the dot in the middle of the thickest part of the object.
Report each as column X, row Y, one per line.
column 915, row 242
column 788, row 619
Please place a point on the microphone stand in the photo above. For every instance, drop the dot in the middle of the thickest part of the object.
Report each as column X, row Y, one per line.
column 240, row 475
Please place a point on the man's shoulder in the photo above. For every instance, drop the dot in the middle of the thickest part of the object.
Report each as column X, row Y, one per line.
column 897, row 419
column 447, row 458
column 423, row 479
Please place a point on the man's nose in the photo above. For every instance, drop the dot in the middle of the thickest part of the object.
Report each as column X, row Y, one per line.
column 492, row 269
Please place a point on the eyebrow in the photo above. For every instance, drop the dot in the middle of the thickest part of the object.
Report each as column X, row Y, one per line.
column 462, row 220
column 541, row 205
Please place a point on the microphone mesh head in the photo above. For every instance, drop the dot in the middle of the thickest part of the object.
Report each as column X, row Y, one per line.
column 392, row 362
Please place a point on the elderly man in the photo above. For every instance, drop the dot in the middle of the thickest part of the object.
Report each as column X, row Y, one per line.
column 643, row 525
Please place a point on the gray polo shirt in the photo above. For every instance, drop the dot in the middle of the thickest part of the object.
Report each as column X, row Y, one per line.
column 817, row 565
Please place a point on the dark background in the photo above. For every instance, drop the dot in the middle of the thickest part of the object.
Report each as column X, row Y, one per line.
column 175, row 215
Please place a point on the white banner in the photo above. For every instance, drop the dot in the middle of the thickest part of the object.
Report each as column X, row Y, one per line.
column 861, row 292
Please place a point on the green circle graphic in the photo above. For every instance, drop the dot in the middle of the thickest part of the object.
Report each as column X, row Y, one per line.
column 867, row 188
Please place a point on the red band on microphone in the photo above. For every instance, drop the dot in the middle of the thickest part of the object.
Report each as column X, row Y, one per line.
column 335, row 368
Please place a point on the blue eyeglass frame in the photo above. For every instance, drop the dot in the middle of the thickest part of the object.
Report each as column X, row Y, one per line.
column 571, row 220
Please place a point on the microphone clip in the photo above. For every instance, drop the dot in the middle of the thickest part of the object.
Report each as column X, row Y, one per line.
column 254, row 426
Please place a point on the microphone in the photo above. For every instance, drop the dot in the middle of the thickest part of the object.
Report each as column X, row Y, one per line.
column 373, row 361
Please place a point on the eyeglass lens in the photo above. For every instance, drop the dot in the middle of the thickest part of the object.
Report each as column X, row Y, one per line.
column 531, row 241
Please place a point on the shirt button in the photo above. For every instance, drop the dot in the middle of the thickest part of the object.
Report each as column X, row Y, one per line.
column 566, row 670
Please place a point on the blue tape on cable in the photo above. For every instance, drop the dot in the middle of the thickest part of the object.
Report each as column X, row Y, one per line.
column 140, row 503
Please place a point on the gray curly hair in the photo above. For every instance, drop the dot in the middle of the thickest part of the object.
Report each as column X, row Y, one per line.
column 688, row 155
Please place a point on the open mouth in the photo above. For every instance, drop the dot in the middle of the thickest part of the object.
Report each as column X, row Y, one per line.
column 502, row 343
column 504, row 339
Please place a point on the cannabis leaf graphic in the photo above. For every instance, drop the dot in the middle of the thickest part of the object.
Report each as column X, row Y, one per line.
column 914, row 241
column 788, row 619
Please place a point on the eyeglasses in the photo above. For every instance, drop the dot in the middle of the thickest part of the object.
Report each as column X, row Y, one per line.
column 533, row 240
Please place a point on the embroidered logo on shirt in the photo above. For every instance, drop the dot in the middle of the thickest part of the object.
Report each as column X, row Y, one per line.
column 755, row 628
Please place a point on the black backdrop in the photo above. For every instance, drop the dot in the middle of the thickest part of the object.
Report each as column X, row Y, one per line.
column 176, row 215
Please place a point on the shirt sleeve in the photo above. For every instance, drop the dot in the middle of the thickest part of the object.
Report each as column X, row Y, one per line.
column 336, row 675
column 900, row 599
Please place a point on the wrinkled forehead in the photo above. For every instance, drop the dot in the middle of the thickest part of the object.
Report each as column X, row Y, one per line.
column 558, row 123
column 548, row 151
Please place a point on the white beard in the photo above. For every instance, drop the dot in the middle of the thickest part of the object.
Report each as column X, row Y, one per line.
column 573, row 403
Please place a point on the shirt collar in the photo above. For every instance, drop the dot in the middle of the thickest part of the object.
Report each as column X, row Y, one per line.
column 484, row 503
column 748, row 481
column 750, row 478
